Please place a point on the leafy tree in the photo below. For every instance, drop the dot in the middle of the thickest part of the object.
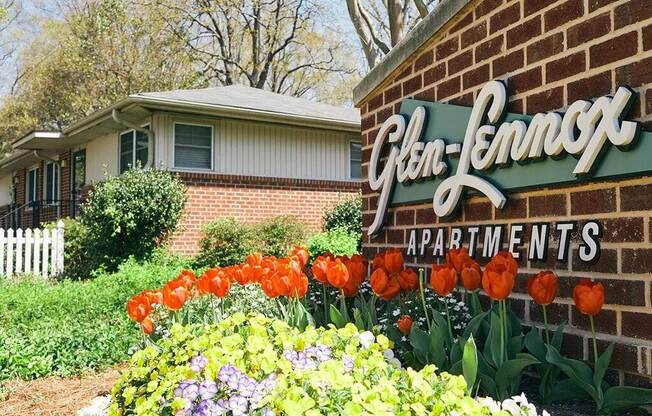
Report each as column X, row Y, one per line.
column 381, row 24
column 100, row 52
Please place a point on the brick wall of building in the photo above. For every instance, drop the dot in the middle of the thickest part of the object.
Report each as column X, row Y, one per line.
column 253, row 199
column 550, row 53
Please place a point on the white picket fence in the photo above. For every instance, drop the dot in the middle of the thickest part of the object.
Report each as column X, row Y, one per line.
column 36, row 252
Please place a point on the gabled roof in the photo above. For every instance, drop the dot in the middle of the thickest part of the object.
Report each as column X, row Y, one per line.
column 248, row 98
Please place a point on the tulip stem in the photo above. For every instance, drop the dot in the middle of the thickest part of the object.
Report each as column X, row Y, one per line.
column 423, row 298
column 323, row 291
column 545, row 324
column 595, row 344
column 501, row 304
column 448, row 318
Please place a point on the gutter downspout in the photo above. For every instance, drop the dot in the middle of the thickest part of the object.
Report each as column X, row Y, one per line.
column 115, row 114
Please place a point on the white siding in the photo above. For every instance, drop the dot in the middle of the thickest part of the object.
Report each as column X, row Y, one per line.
column 5, row 190
column 101, row 157
column 260, row 149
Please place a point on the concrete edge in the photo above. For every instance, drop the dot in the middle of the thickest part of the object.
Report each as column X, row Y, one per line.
column 423, row 31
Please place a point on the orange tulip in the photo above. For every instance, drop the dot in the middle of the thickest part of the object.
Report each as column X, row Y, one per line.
column 219, row 284
column 337, row 274
column 471, row 276
column 268, row 288
column 384, row 286
column 443, row 279
column 203, row 285
column 139, row 307
column 499, row 276
column 357, row 267
column 320, row 269
column 408, row 280
column 188, row 279
column 588, row 297
column 458, row 258
column 147, row 326
column 404, row 324
column 254, row 259
column 155, row 296
column 301, row 254
column 175, row 295
column 378, row 261
column 543, row 287
column 298, row 284
column 394, row 261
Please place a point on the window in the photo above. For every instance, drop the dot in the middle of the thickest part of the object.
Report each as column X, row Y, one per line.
column 133, row 149
column 79, row 169
column 355, row 160
column 193, row 146
column 52, row 181
column 32, row 184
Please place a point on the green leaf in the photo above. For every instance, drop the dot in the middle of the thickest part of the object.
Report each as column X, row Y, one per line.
column 558, row 338
column 601, row 366
column 621, row 398
column 357, row 318
column 420, row 341
column 512, row 369
column 567, row 389
column 470, row 363
column 474, row 325
column 514, row 345
column 336, row 317
column 576, row 370
column 437, row 350
column 493, row 345
column 535, row 345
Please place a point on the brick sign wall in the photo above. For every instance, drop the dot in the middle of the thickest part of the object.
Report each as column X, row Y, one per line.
column 549, row 53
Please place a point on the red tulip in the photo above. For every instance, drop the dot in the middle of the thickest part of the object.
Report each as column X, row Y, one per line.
column 337, row 274
column 404, row 324
column 408, row 280
column 443, row 279
column 588, row 297
column 471, row 276
column 543, row 287
column 384, row 286
column 499, row 276
column 394, row 262
column 175, row 295
column 139, row 307
column 458, row 258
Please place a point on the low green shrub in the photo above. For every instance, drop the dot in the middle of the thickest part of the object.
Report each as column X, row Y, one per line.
column 276, row 236
column 225, row 242
column 79, row 264
column 338, row 241
column 131, row 215
column 70, row 326
column 347, row 214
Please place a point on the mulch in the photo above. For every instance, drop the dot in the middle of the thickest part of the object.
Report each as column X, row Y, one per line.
column 54, row 396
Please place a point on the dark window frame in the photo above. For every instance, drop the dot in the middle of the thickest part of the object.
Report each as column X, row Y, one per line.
column 212, row 146
column 353, row 143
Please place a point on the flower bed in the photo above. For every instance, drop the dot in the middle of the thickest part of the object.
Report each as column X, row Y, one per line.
column 413, row 325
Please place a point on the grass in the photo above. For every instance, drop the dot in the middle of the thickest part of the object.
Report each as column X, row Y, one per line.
column 69, row 327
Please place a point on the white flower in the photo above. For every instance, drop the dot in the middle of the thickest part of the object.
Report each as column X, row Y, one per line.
column 491, row 404
column 388, row 354
column 403, row 338
column 395, row 362
column 512, row 407
column 396, row 312
column 97, row 407
column 366, row 339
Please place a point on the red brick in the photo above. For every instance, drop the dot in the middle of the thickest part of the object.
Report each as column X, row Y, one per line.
column 647, row 38
column 596, row 4
column 460, row 62
column 395, row 236
column 375, row 102
column 593, row 202
column 462, row 23
column 465, row 100
column 446, row 48
column 424, row 60
column 477, row 211
column 476, row 76
column 517, row 106
column 563, row 13
column 631, row 12
column 545, row 48
column 635, row 74
column 392, row 93
column 622, row 230
column 425, row 216
column 565, row 67
column 545, row 100
column 448, row 88
column 587, row 88
column 486, row 7
column 434, row 74
column 407, row 71
column 491, row 47
column 637, row 325
column 589, row 29
column 505, row 17
column 547, row 205
column 636, row 198
column 474, row 34
column 515, row 208
column 624, row 357
column 614, row 49
column 637, row 260
column 524, row 81
column 507, row 63
column 426, row 95
column 404, row 217
column 607, row 263
column 557, row 313
column 411, row 85
column 524, row 32
column 532, row 6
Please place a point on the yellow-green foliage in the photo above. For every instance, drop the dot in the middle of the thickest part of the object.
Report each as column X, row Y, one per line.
column 258, row 346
